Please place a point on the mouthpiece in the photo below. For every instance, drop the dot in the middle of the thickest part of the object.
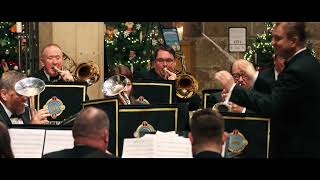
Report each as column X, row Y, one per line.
column 165, row 73
column 58, row 70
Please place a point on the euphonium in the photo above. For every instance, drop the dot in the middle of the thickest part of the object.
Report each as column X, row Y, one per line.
column 115, row 85
column 186, row 84
column 88, row 71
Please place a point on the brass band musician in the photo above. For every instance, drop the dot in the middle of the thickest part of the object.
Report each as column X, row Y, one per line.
column 163, row 68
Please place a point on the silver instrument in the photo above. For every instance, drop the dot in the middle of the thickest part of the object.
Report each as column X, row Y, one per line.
column 115, row 85
column 30, row 87
column 223, row 106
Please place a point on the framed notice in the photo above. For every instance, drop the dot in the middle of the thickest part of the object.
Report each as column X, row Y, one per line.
column 171, row 38
column 237, row 39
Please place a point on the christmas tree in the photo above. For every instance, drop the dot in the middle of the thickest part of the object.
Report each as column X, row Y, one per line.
column 131, row 44
column 261, row 50
column 9, row 45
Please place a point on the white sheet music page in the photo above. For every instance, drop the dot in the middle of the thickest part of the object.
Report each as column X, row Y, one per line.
column 172, row 147
column 27, row 143
column 57, row 140
column 160, row 145
column 138, row 147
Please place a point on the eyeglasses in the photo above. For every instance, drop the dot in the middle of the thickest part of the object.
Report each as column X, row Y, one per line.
column 237, row 76
column 161, row 60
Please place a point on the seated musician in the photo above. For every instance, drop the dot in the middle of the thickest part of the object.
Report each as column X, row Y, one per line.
column 164, row 64
column 125, row 96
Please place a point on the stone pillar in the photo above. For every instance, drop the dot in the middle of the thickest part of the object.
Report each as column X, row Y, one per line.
column 81, row 41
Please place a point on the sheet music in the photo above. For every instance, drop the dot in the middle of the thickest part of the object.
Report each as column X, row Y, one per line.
column 167, row 147
column 159, row 145
column 27, row 143
column 138, row 147
column 57, row 140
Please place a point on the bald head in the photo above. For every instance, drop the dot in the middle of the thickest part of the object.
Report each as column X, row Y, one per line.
column 90, row 123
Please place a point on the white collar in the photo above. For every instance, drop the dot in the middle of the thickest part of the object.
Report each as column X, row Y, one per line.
column 48, row 76
column 9, row 113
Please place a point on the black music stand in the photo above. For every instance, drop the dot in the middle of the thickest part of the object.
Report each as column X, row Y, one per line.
column 62, row 99
column 254, row 128
column 110, row 106
column 156, row 92
column 137, row 120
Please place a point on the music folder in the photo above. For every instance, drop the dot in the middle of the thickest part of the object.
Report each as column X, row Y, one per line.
column 33, row 141
column 62, row 99
column 137, row 120
column 248, row 135
column 156, row 92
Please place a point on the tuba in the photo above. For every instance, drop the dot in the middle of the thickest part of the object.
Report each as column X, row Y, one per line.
column 88, row 71
column 115, row 85
column 186, row 84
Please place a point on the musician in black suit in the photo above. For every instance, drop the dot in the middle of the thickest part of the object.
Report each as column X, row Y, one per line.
column 52, row 62
column 91, row 136
column 294, row 102
column 240, row 78
column 164, row 64
column 207, row 134
column 12, row 108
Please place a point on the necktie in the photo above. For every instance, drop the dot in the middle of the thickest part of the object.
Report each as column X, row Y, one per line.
column 16, row 116
column 16, row 119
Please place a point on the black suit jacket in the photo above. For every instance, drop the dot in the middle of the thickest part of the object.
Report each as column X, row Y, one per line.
column 6, row 120
column 78, row 152
column 194, row 101
column 208, row 154
column 41, row 75
column 293, row 105
column 266, row 85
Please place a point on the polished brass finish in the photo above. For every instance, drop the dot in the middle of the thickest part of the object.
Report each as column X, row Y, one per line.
column 186, row 84
column 88, row 71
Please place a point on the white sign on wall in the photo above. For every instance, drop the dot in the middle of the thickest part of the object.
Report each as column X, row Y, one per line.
column 237, row 39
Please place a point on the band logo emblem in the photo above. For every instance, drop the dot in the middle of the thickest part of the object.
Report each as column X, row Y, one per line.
column 54, row 106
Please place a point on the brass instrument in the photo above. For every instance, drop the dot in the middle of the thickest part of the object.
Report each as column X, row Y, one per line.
column 115, row 85
column 186, row 84
column 222, row 107
column 88, row 71
column 30, row 87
